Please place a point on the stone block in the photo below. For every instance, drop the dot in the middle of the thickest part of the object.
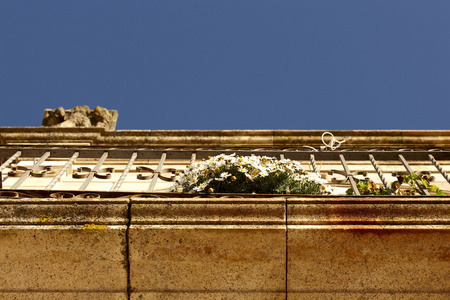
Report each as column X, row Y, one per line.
column 368, row 261
column 60, row 259
column 208, row 260
column 63, row 249
column 208, row 249
column 368, row 248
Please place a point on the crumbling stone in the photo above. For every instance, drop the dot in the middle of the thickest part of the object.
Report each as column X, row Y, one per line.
column 81, row 116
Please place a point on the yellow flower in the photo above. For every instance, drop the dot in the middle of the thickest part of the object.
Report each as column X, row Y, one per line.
column 233, row 178
column 211, row 190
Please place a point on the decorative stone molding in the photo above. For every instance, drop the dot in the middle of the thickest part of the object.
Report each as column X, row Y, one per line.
column 223, row 211
column 369, row 210
column 281, row 139
column 76, row 211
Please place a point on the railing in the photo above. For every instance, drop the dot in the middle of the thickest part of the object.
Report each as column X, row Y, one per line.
column 353, row 162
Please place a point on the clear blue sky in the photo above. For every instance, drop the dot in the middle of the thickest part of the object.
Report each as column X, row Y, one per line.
column 233, row 64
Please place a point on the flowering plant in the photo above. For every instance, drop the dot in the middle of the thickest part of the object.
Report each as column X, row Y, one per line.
column 250, row 174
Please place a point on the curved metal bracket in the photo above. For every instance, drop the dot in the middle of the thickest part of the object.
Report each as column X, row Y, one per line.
column 170, row 178
column 17, row 171
column 83, row 172
column 346, row 175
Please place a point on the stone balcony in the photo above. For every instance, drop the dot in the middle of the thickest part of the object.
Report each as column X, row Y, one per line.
column 255, row 247
column 82, row 238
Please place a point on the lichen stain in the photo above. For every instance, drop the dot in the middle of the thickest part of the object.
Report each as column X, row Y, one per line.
column 90, row 227
column 44, row 219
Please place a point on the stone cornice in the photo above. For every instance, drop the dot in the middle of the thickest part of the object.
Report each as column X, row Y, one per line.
column 368, row 211
column 242, row 211
column 36, row 211
column 222, row 138
column 231, row 211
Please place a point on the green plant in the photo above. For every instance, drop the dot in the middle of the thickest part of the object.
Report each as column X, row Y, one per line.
column 413, row 180
column 368, row 187
column 250, row 174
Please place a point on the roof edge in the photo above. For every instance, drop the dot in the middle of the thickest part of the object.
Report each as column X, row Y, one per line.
column 222, row 138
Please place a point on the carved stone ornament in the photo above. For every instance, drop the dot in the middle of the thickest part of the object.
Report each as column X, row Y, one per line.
column 81, row 116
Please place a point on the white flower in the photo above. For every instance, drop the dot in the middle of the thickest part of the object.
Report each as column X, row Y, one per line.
column 199, row 188
column 242, row 170
column 198, row 176
column 225, row 175
column 263, row 173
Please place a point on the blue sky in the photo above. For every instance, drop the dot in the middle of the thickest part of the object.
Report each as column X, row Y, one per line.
column 232, row 64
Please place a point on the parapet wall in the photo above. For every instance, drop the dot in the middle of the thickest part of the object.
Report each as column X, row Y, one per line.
column 241, row 247
column 178, row 246
column 92, row 136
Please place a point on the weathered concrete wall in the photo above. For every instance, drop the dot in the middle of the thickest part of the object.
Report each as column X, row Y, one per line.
column 225, row 248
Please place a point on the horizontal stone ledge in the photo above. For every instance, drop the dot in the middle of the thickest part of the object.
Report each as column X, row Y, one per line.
column 208, row 211
column 368, row 213
column 221, row 211
column 207, row 227
column 62, row 213
column 63, row 201
column 58, row 295
column 373, row 227
column 208, row 200
column 387, row 295
column 210, row 295
column 366, row 199
column 224, row 138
